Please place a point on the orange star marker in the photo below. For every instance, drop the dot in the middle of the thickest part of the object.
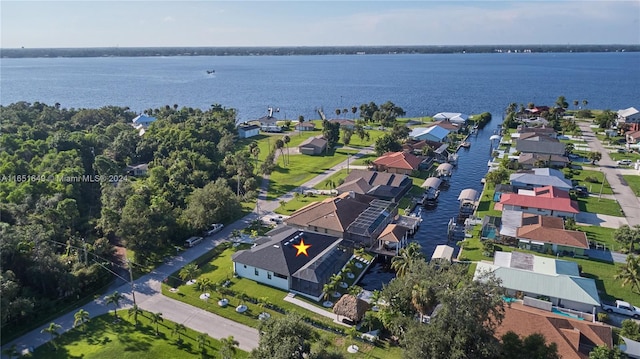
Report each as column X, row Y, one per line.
column 302, row 248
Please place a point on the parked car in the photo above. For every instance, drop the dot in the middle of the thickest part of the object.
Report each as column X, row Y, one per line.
column 621, row 150
column 581, row 191
column 191, row 242
column 213, row 229
column 624, row 163
column 622, row 307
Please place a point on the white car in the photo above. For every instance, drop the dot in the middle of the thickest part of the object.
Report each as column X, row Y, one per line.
column 214, row 228
column 624, row 163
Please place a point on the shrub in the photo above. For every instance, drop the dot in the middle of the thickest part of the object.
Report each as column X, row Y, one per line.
column 603, row 317
column 591, row 179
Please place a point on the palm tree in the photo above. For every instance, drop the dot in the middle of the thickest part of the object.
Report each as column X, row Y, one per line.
column 279, row 145
column 255, row 152
column 80, row 318
column 300, row 121
column 135, row 310
column 576, row 103
column 114, row 299
column 327, row 290
column 204, row 284
column 228, row 348
column 52, row 329
column 406, row 257
column 630, row 273
column 286, row 141
column 354, row 109
column 189, row 271
column 423, row 299
column 156, row 318
column 203, row 341
column 178, row 330
column 585, row 103
column 338, row 112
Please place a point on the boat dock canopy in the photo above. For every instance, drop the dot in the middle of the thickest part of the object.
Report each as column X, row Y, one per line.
column 444, row 169
column 432, row 182
column 443, row 252
column 468, row 194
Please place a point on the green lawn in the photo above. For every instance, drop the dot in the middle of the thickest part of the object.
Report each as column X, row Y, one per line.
column 105, row 338
column 220, row 269
column 602, row 272
column 299, row 201
column 633, row 182
column 600, row 205
column 601, row 235
column 593, row 187
column 301, row 169
column 486, row 204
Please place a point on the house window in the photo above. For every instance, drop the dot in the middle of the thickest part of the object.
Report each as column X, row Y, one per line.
column 255, row 271
column 268, row 275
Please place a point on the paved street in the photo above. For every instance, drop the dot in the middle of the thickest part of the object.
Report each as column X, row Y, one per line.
column 148, row 289
column 623, row 194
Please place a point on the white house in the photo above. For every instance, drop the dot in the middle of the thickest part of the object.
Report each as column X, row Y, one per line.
column 142, row 120
column 455, row 117
column 433, row 133
column 246, row 131
column 629, row 115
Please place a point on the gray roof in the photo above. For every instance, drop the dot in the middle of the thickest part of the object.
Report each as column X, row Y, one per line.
column 511, row 221
column 278, row 254
column 535, row 180
column 540, row 146
column 432, row 182
column 630, row 347
column 469, row 194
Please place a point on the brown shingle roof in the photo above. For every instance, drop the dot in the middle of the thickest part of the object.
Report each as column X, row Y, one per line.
column 392, row 233
column 574, row 338
column 335, row 213
column 551, row 230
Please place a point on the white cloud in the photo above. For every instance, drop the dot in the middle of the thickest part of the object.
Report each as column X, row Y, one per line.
column 169, row 19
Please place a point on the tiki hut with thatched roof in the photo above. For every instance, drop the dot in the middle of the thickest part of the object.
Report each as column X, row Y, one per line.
column 352, row 307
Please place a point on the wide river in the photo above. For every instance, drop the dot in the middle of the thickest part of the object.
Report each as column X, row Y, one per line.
column 422, row 84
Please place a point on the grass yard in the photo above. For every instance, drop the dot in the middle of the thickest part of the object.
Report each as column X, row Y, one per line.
column 601, row 235
column 633, row 182
column 580, row 175
column 301, row 169
column 299, row 201
column 486, row 204
column 600, row 205
column 601, row 272
column 107, row 339
column 220, row 269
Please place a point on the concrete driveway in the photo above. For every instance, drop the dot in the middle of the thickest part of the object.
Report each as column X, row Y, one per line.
column 600, row 220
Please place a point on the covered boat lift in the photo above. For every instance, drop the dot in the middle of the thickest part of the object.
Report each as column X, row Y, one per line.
column 444, row 171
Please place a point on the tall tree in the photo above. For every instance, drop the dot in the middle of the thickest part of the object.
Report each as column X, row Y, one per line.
column 80, row 318
column 561, row 102
column 284, row 337
column 331, row 132
column 52, row 330
column 604, row 352
column 532, row 346
column 189, row 272
column 135, row 311
column 594, row 157
column 178, row 330
column 630, row 273
column 387, row 143
column 156, row 318
column 406, row 257
column 286, row 139
column 629, row 237
column 214, row 203
column 114, row 299
column 228, row 347
column 203, row 340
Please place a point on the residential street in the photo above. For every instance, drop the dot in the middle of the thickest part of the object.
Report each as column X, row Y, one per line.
column 148, row 291
column 623, row 194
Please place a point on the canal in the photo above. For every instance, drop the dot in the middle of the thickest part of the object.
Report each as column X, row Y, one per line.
column 471, row 168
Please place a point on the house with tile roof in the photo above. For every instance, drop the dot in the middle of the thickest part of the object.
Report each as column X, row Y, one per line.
column 277, row 261
column 449, row 126
column 543, row 233
column 632, row 137
column 354, row 217
column 433, row 133
column 574, row 338
column 539, row 177
column 558, row 281
column 533, row 160
column 382, row 185
column 397, row 162
column 392, row 239
column 547, row 201
column 439, row 149
column 305, row 126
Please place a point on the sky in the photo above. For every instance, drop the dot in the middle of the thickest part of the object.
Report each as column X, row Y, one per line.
column 42, row 24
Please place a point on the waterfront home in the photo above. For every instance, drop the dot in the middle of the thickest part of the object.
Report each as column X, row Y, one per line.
column 449, row 126
column 269, row 123
column 245, row 130
column 397, row 162
column 539, row 177
column 354, row 217
column 548, row 201
column 313, row 146
column 433, row 133
column 418, row 147
column 142, row 123
column 629, row 115
column 305, row 126
column 573, row 337
column 381, row 185
column 453, row 117
column 540, row 144
column 552, row 280
column 533, row 160
column 344, row 123
column 293, row 260
column 544, row 234
column 632, row 137
column 545, row 131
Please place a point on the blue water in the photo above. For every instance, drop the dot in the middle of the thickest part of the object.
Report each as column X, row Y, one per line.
column 422, row 84
column 554, row 310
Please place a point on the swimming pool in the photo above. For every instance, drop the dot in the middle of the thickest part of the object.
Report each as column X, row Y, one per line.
column 554, row 310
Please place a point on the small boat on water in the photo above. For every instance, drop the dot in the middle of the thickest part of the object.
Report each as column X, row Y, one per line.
column 465, row 144
column 211, row 72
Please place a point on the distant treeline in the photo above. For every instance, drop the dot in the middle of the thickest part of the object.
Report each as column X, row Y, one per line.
column 303, row 50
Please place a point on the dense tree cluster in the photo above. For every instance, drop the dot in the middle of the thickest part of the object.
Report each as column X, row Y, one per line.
column 58, row 228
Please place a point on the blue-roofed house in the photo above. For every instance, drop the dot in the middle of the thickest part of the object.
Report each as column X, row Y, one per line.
column 142, row 122
column 433, row 133
column 539, row 177
column 555, row 280
column 454, row 117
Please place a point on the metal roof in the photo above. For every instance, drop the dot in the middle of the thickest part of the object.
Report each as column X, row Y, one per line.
column 432, row 182
column 468, row 194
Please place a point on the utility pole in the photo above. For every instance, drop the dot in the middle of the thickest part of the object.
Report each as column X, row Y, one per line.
column 133, row 289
